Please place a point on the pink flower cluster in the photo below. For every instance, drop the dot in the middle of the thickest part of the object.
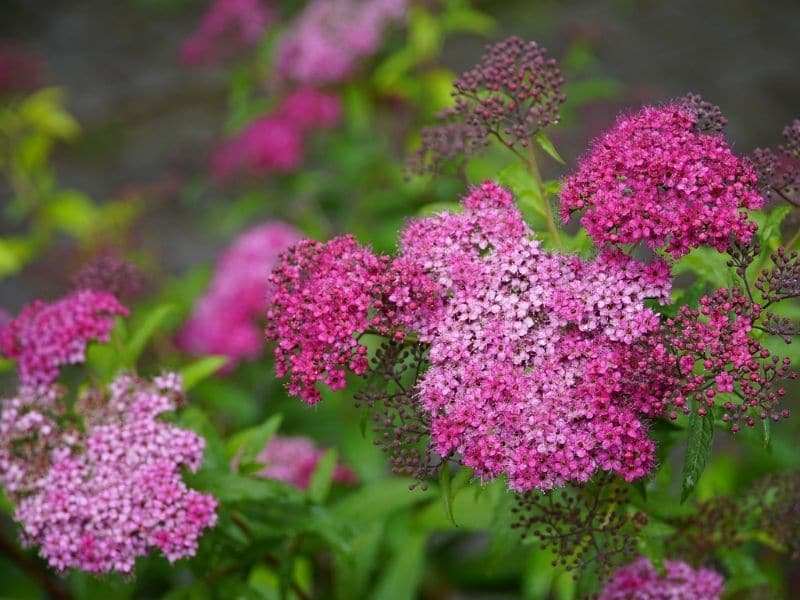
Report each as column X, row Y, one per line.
column 110, row 494
column 326, row 297
column 640, row 581
column 716, row 338
column 329, row 37
column 654, row 178
column 537, row 361
column 226, row 319
column 294, row 459
column 534, row 358
column 227, row 26
column 274, row 142
column 43, row 337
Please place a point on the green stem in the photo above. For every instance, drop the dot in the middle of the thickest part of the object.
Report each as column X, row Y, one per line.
column 533, row 166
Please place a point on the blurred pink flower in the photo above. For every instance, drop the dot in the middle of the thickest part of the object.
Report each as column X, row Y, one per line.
column 21, row 69
column 226, row 28
column 225, row 319
column 326, row 41
column 294, row 459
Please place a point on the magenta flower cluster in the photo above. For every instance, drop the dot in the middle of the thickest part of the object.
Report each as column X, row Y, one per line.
column 226, row 27
column 112, row 493
column 329, row 295
column 328, row 39
column 533, row 359
column 536, row 358
column 43, row 337
column 226, row 319
column 275, row 142
column 293, row 459
column 655, row 179
column 639, row 580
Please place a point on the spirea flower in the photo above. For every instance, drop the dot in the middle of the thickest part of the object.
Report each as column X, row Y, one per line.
column 293, row 459
column 513, row 93
column 779, row 169
column 116, row 492
column 717, row 357
column 275, row 142
column 326, row 297
column 328, row 39
column 640, row 581
column 227, row 27
column 226, row 319
column 530, row 363
column 116, row 276
column 654, row 179
column 43, row 337
column 708, row 116
column 447, row 145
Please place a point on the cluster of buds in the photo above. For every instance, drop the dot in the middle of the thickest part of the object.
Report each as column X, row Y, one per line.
column 779, row 169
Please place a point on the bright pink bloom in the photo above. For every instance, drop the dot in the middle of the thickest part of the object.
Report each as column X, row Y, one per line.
column 227, row 27
column 326, row 297
column 226, row 318
column 533, row 362
column 654, row 178
column 43, row 337
column 640, row 581
column 294, row 459
column 329, row 37
column 116, row 491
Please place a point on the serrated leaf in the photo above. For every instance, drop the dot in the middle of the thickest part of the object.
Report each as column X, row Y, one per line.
column 322, row 478
column 546, row 145
column 145, row 330
column 700, row 441
column 201, row 369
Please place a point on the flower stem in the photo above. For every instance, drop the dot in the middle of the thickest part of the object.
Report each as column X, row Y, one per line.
column 533, row 166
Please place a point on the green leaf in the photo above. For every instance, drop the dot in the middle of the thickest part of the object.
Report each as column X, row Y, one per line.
column 201, row 369
column 145, row 330
column 214, row 456
column 230, row 487
column 379, row 499
column 44, row 111
column 245, row 445
column 447, row 492
column 71, row 212
column 403, row 573
column 546, row 145
column 701, row 439
column 322, row 478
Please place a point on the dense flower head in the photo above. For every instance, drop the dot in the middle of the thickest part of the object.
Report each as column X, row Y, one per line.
column 513, row 93
column 115, row 492
column 530, row 362
column 639, row 580
column 226, row 319
column 293, row 459
column 227, row 27
column 653, row 178
column 275, row 141
column 111, row 274
column 326, row 296
column 328, row 39
column 719, row 363
column 43, row 337
column 779, row 169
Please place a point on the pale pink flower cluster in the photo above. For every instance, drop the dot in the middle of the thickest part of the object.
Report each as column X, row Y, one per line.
column 654, row 178
column 326, row 297
column 293, row 459
column 537, row 360
column 110, row 494
column 329, row 38
column 533, row 358
column 43, row 337
column 640, row 581
column 226, row 319
column 227, row 27
column 275, row 142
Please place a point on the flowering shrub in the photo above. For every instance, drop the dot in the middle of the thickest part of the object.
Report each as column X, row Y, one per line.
column 492, row 400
